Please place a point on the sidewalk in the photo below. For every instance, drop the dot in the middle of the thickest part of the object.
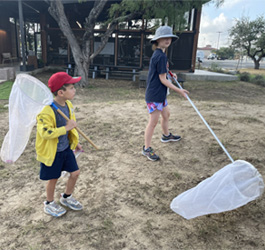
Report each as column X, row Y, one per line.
column 203, row 75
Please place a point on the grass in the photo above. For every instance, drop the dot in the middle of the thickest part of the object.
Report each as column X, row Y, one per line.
column 3, row 108
column 254, row 71
column 5, row 89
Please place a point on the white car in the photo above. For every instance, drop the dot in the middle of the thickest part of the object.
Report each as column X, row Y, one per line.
column 211, row 56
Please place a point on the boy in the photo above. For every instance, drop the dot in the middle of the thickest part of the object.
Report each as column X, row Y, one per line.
column 55, row 141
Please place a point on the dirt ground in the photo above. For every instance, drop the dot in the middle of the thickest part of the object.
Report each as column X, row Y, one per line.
column 126, row 197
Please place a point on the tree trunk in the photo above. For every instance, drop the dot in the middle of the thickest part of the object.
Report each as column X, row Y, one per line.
column 83, row 70
column 256, row 62
column 57, row 11
column 83, row 57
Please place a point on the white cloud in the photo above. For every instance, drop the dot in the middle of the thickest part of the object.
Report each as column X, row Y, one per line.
column 214, row 20
column 210, row 28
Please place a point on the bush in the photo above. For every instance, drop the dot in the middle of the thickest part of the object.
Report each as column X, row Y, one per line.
column 215, row 68
column 259, row 79
column 244, row 76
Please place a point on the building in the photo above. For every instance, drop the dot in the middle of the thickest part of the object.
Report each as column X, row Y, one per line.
column 208, row 49
column 29, row 33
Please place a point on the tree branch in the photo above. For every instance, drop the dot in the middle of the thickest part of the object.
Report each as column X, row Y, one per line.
column 56, row 10
column 110, row 29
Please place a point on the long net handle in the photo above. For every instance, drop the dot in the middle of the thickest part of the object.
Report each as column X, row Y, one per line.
column 207, row 125
column 78, row 129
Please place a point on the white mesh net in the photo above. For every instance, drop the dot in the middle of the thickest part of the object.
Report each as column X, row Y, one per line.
column 27, row 98
column 231, row 187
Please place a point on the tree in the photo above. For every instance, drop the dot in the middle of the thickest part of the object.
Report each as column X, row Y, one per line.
column 250, row 37
column 167, row 11
column 225, row 53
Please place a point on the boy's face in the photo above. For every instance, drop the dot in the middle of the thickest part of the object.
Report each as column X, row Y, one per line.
column 69, row 93
column 164, row 42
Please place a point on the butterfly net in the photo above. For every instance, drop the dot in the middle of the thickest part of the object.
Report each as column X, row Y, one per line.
column 229, row 188
column 27, row 98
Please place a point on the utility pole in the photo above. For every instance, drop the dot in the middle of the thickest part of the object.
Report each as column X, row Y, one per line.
column 218, row 39
column 21, row 25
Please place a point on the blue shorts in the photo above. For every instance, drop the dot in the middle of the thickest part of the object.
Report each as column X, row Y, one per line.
column 64, row 161
column 152, row 106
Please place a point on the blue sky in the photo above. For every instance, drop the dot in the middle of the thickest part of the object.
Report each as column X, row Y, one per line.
column 215, row 20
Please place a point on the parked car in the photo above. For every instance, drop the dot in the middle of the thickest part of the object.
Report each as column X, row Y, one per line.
column 211, row 56
column 222, row 57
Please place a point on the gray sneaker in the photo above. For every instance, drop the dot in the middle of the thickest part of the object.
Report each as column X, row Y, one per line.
column 170, row 138
column 71, row 202
column 54, row 209
column 150, row 154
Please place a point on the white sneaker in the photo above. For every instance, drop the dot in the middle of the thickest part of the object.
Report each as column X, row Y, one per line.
column 71, row 202
column 54, row 209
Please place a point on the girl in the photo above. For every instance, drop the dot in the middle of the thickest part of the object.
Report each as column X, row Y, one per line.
column 156, row 91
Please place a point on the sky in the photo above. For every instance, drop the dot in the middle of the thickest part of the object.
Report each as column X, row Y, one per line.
column 216, row 22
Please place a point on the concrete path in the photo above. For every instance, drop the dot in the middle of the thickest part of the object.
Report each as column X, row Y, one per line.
column 203, row 75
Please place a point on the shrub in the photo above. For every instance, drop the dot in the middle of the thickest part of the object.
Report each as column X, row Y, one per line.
column 215, row 68
column 244, row 76
column 259, row 79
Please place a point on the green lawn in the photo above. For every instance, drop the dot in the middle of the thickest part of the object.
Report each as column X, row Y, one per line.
column 5, row 89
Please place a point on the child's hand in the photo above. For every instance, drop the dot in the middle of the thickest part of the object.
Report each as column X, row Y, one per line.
column 70, row 125
column 79, row 147
column 175, row 76
column 183, row 92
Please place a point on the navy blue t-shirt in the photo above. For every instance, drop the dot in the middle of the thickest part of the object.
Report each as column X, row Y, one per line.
column 156, row 91
column 60, row 122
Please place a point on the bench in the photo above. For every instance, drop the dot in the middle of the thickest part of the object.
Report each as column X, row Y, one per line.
column 7, row 57
column 118, row 71
column 107, row 70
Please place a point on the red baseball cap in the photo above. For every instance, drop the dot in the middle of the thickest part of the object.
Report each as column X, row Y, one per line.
column 57, row 80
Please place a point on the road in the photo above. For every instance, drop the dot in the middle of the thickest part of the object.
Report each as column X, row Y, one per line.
column 231, row 64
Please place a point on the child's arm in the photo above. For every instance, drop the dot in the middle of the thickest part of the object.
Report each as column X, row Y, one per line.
column 47, row 129
column 169, row 84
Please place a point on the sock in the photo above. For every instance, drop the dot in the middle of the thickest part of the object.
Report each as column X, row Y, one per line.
column 167, row 135
column 66, row 195
column 48, row 202
column 145, row 148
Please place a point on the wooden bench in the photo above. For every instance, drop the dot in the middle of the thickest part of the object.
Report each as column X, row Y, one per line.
column 7, row 57
column 118, row 71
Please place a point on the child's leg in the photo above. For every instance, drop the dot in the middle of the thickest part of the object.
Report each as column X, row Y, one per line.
column 71, row 182
column 50, row 188
column 149, row 131
column 165, row 120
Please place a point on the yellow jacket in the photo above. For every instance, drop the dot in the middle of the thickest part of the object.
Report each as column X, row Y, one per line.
column 48, row 133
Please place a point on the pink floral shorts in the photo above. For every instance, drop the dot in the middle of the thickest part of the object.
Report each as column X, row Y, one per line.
column 152, row 106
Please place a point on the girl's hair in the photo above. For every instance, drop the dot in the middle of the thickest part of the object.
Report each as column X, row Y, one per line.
column 154, row 46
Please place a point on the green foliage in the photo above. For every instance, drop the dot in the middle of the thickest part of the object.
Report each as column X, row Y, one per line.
column 250, row 36
column 245, row 77
column 215, row 68
column 226, row 53
column 259, row 79
column 167, row 11
column 5, row 89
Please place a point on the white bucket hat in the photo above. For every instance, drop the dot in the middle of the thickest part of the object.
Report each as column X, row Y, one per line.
column 163, row 32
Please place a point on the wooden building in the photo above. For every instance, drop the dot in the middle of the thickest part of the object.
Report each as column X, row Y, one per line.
column 29, row 23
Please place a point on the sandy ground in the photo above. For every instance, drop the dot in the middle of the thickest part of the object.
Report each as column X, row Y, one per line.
column 126, row 197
